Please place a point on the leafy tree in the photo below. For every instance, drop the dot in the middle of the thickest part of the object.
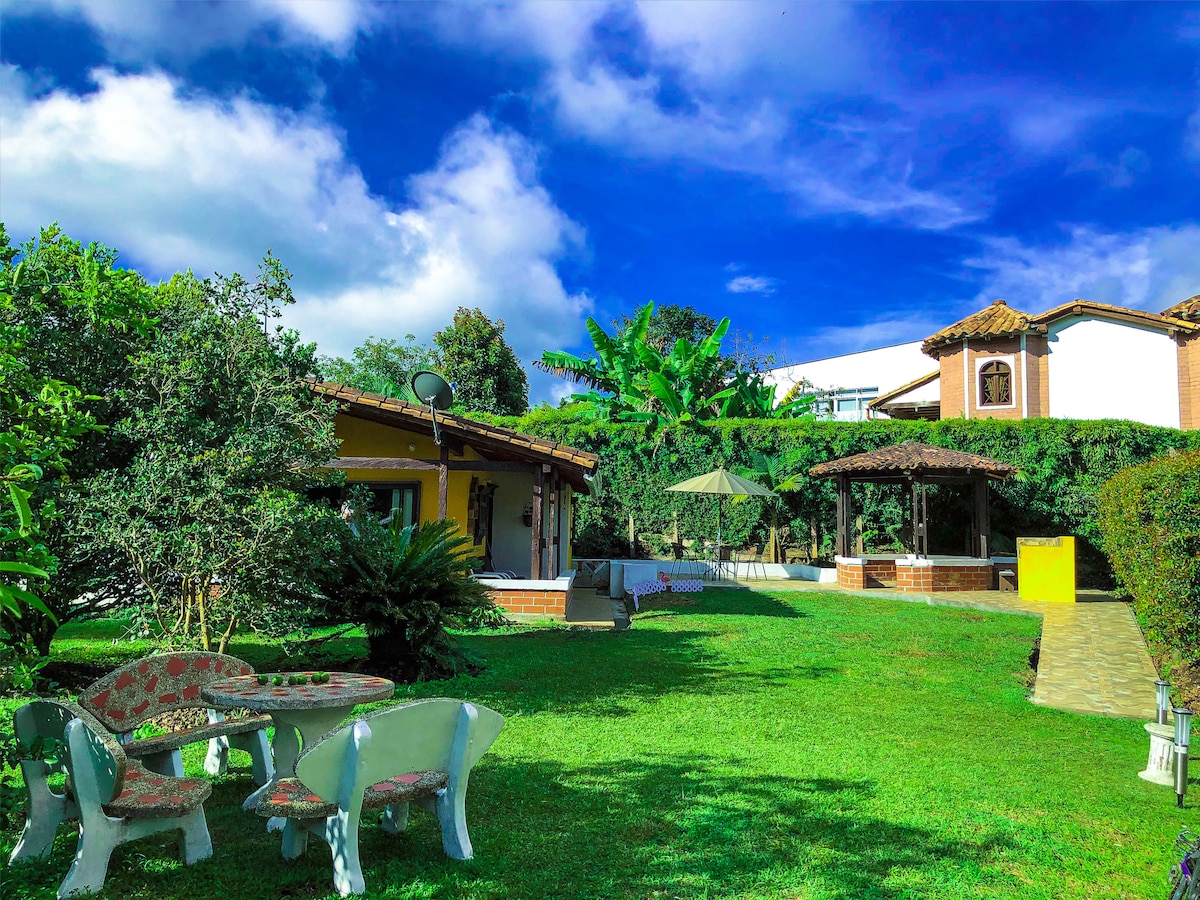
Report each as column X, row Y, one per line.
column 381, row 366
column 486, row 373
column 407, row 586
column 669, row 323
column 631, row 380
column 69, row 320
column 210, row 512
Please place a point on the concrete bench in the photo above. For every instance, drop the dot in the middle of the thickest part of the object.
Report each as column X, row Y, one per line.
column 142, row 690
column 420, row 752
column 114, row 798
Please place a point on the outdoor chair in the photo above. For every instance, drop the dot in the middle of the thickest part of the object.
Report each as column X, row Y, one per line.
column 752, row 558
column 420, row 752
column 142, row 690
column 115, row 799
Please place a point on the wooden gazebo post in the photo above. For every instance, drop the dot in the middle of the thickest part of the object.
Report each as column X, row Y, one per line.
column 845, row 516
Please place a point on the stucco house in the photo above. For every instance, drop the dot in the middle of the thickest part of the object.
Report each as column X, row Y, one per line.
column 1080, row 360
column 510, row 492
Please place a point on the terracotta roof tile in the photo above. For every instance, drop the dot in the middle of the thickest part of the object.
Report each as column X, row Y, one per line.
column 911, row 457
column 996, row 320
column 1188, row 310
column 1107, row 310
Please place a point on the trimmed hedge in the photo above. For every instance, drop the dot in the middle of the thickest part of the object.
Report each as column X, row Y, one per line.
column 1062, row 463
column 1149, row 520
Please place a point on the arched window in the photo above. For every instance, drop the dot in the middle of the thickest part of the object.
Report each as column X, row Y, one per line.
column 995, row 384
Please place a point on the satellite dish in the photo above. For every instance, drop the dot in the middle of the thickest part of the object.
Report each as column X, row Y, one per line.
column 435, row 392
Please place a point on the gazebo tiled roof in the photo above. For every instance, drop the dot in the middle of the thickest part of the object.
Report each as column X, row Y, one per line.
column 912, row 458
column 1188, row 310
column 995, row 320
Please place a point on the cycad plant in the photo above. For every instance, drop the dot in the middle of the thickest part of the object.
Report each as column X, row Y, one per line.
column 407, row 586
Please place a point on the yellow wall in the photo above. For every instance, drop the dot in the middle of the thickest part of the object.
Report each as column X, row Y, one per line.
column 364, row 438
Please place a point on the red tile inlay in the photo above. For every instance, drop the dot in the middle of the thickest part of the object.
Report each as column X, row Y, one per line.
column 168, row 698
column 152, row 683
column 191, row 692
column 141, row 707
column 101, row 699
column 143, row 668
column 201, row 663
column 124, row 680
column 176, row 666
column 116, row 713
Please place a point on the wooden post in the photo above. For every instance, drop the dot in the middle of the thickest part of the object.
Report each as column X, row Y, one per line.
column 632, row 539
column 535, row 549
column 552, row 563
column 982, row 520
column 844, row 517
column 858, row 536
column 814, row 540
column 443, row 482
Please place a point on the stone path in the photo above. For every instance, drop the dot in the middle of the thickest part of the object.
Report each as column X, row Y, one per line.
column 1093, row 658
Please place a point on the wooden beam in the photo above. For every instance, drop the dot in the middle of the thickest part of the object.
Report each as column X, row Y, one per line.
column 443, row 482
column 844, row 517
column 535, row 541
column 983, row 523
column 379, row 462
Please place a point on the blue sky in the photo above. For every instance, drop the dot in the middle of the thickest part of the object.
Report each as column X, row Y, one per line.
column 830, row 176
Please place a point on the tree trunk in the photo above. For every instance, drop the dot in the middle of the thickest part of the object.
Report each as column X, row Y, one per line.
column 773, row 553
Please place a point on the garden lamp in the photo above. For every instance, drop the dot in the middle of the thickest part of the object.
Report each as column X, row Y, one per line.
column 1162, row 694
column 1183, row 733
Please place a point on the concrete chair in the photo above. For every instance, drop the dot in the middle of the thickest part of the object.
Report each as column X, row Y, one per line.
column 139, row 691
column 115, row 799
column 420, row 752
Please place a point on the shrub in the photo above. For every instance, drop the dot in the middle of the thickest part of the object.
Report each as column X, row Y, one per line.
column 1149, row 519
column 407, row 586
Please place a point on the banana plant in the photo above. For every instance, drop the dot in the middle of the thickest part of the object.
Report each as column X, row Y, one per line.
column 779, row 473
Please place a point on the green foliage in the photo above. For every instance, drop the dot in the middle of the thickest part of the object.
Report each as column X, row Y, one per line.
column 381, row 366
column 210, row 511
column 1062, row 463
column 1149, row 521
column 486, row 373
column 69, row 319
column 407, row 585
column 638, row 377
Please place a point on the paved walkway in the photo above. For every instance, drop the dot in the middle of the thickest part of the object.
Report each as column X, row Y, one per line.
column 1093, row 658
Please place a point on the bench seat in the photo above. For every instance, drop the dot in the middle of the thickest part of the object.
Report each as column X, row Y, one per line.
column 176, row 740
column 148, row 795
column 290, row 799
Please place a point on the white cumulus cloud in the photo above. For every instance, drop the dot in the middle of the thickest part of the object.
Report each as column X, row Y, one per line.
column 175, row 180
column 752, row 284
column 1150, row 269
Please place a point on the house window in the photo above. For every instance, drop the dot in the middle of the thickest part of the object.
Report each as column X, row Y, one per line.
column 391, row 500
column 995, row 384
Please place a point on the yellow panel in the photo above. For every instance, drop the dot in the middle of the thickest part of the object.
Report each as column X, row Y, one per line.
column 1046, row 569
column 361, row 437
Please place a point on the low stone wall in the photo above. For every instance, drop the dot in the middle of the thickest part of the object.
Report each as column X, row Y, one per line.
column 933, row 576
column 533, row 599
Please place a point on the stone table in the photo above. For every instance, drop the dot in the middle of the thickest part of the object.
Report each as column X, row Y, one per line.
column 302, row 713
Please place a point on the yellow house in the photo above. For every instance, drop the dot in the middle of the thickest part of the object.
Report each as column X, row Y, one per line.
column 510, row 492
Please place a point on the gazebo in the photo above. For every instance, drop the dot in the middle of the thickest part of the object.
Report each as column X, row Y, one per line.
column 917, row 465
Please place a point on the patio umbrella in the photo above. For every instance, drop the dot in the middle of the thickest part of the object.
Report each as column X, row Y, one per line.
column 721, row 482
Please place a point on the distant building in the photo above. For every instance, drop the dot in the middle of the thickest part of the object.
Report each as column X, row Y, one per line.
column 1080, row 360
column 848, row 383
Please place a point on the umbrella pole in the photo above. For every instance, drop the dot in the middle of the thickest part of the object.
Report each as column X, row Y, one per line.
column 720, row 563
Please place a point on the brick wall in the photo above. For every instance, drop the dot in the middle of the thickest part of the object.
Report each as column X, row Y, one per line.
column 552, row 604
column 879, row 573
column 951, row 382
column 850, row 576
column 936, row 579
column 1037, row 357
column 1189, row 379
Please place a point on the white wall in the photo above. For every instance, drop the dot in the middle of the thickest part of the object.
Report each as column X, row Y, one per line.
column 1100, row 369
column 511, row 538
column 884, row 369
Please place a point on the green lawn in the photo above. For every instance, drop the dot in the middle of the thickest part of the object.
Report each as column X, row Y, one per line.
column 786, row 746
